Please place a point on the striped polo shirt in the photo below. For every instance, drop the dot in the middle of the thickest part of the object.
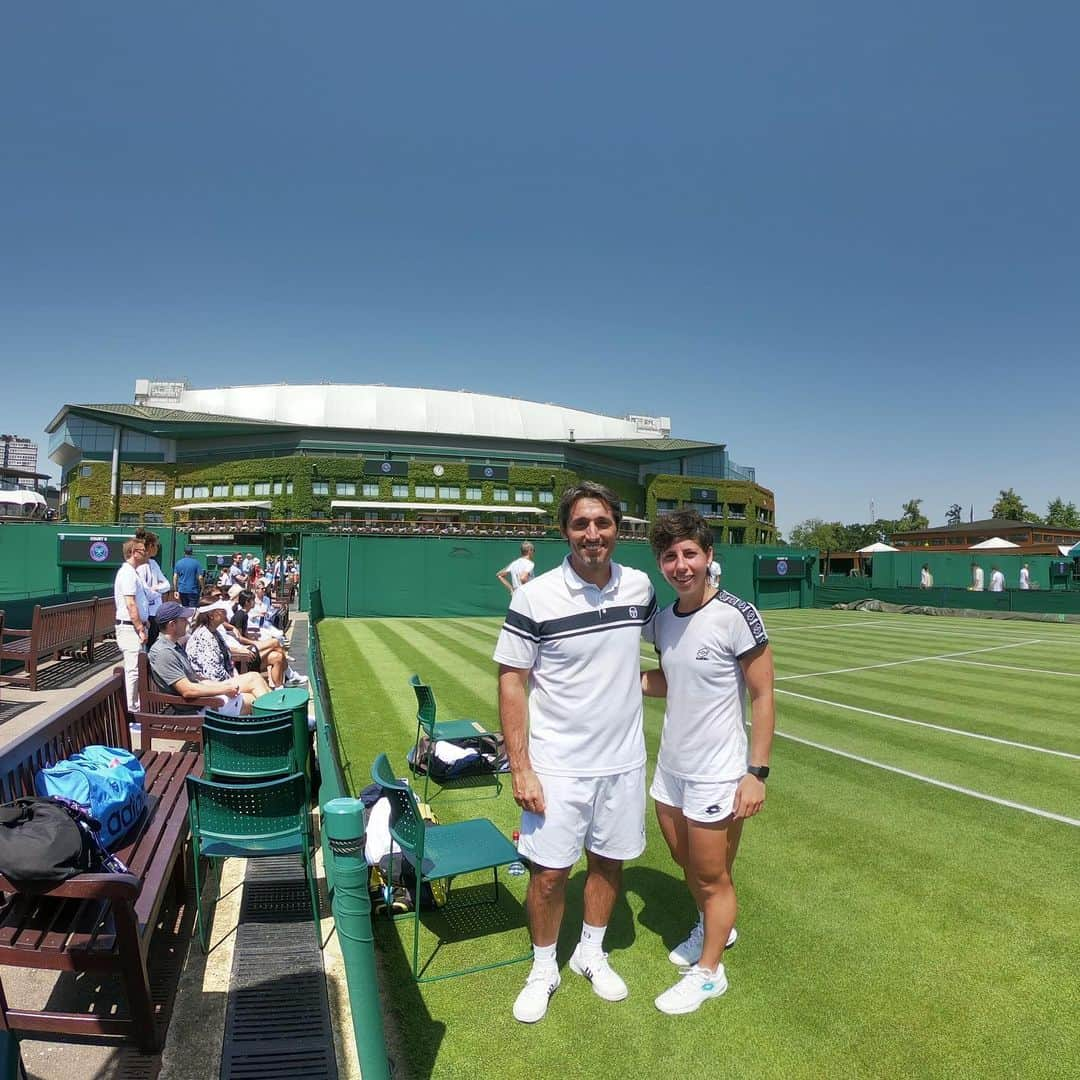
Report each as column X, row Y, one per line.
column 581, row 646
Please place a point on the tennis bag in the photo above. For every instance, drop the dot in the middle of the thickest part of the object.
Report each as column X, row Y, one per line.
column 109, row 783
column 490, row 757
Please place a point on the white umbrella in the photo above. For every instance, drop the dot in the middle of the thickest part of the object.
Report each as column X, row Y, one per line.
column 870, row 549
column 994, row 543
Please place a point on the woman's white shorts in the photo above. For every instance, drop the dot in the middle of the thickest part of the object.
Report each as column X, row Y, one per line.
column 699, row 800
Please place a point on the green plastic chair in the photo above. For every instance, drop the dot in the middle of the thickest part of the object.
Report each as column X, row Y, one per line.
column 434, row 729
column 442, row 851
column 301, row 738
column 249, row 753
column 251, row 821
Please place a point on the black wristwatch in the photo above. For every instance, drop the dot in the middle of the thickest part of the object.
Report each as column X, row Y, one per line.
column 760, row 771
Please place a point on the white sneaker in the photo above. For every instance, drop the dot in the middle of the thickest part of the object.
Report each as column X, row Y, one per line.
column 294, row 678
column 531, row 1004
column 605, row 982
column 688, row 952
column 698, row 984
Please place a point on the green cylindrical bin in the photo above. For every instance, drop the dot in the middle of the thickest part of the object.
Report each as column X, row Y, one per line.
column 292, row 699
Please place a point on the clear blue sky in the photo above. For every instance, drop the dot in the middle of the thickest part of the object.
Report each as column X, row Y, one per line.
column 841, row 238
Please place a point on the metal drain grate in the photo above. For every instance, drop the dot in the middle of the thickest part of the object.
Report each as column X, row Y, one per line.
column 277, row 1024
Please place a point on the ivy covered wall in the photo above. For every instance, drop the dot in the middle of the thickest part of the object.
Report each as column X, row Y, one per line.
column 758, row 503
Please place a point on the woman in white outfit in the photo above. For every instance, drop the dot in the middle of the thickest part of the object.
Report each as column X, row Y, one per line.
column 713, row 650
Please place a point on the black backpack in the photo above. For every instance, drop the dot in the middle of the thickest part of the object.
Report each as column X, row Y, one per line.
column 46, row 841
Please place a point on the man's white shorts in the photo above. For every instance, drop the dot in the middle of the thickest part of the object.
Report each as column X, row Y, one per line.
column 699, row 800
column 606, row 814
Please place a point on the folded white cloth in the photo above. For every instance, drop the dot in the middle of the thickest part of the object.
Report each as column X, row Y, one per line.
column 451, row 754
column 377, row 836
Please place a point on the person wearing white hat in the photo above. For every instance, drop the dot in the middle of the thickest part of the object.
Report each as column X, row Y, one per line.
column 210, row 656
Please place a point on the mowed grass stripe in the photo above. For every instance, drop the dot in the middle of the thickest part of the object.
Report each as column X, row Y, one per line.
column 950, row 697
column 996, row 770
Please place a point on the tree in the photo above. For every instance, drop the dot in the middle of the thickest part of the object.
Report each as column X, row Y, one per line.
column 1062, row 515
column 1009, row 507
column 815, row 533
column 954, row 515
column 913, row 517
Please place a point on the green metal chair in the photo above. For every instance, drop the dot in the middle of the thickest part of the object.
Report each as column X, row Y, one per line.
column 248, row 753
column 443, row 851
column 301, row 738
column 251, row 821
column 428, row 724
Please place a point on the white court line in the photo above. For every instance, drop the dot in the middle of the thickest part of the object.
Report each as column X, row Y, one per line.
column 912, row 660
column 936, row 783
column 934, row 727
column 1010, row 667
column 978, row 631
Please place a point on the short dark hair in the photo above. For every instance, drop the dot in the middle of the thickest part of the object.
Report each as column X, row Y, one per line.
column 587, row 489
column 245, row 597
column 679, row 525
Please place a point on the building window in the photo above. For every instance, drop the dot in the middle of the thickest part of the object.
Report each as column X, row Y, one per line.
column 474, row 494
column 129, row 519
column 155, row 487
column 130, row 487
column 288, row 488
column 86, row 470
column 84, row 502
column 320, row 487
column 262, row 489
column 737, row 536
column 344, row 488
column 523, row 495
column 370, row 515
column 318, row 515
column 221, row 491
column 624, row 506
column 150, row 518
column 176, row 493
column 425, row 491
column 664, row 505
column 371, row 491
column 187, row 492
column 399, row 491
column 501, row 494
column 279, row 487
column 241, row 490
column 450, row 492
column 546, row 496
column 202, row 492
column 736, row 510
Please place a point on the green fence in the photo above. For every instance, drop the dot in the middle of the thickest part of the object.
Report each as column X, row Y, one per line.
column 30, row 563
column 952, row 569
column 441, row 577
column 346, row 870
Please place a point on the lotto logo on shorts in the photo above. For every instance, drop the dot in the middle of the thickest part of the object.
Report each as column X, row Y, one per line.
column 714, row 809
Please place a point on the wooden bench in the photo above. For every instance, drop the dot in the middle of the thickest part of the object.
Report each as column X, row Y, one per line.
column 155, row 717
column 99, row 923
column 53, row 630
column 104, row 621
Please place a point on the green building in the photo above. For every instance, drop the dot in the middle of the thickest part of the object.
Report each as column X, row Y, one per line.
column 250, row 460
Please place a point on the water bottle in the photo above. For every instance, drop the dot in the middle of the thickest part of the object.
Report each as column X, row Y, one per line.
column 517, row 867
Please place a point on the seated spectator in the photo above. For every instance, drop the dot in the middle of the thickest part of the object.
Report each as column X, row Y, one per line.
column 265, row 615
column 268, row 648
column 210, row 656
column 172, row 671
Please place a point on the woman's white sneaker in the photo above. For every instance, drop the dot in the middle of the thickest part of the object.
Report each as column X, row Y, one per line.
column 688, row 952
column 697, row 985
column 605, row 982
column 531, row 1004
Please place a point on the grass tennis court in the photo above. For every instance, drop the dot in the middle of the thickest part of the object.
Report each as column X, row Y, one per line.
column 909, row 898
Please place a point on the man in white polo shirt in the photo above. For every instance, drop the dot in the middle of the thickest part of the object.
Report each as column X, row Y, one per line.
column 575, row 740
column 132, row 599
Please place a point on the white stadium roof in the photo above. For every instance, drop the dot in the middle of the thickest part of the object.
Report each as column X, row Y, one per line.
column 397, row 408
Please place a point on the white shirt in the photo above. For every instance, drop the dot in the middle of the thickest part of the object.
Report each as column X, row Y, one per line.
column 704, row 735
column 127, row 583
column 997, row 581
column 979, row 578
column 1025, row 578
column 926, row 579
column 582, row 647
column 519, row 571
column 155, row 581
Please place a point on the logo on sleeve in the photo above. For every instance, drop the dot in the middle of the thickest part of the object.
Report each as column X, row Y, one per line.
column 702, row 653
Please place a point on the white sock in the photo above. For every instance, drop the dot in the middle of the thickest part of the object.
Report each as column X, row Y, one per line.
column 543, row 955
column 592, row 938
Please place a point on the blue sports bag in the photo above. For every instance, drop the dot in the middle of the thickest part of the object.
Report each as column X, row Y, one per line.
column 108, row 782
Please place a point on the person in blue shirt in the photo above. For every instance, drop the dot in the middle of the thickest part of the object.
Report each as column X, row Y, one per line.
column 188, row 579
